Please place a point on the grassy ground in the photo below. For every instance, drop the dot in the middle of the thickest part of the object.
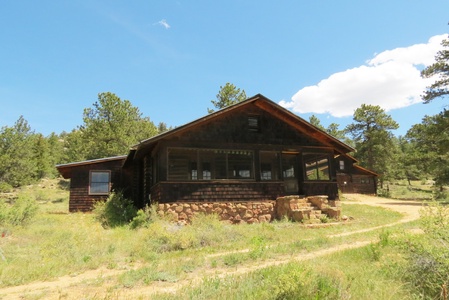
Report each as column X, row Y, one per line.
column 56, row 244
column 416, row 190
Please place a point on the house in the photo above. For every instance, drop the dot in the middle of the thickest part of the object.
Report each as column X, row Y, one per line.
column 251, row 151
column 354, row 179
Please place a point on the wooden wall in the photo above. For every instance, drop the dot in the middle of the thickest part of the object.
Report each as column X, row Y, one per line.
column 165, row 192
column 357, row 184
column 80, row 200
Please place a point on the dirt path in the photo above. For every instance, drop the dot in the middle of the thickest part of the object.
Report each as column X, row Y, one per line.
column 77, row 287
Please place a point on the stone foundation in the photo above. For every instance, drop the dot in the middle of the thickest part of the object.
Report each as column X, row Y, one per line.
column 296, row 208
column 232, row 212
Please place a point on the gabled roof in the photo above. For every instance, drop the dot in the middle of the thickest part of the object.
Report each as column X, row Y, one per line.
column 363, row 170
column 356, row 166
column 265, row 104
column 66, row 169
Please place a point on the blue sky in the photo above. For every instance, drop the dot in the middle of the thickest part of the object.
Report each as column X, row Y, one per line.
column 169, row 58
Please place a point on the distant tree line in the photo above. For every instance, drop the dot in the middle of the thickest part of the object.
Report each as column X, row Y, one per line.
column 112, row 125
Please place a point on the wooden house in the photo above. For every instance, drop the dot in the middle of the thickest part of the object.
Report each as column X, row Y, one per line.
column 251, row 151
column 354, row 179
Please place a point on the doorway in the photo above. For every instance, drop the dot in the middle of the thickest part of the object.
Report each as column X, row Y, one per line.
column 290, row 173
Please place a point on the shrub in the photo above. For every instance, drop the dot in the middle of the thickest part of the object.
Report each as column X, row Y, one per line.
column 116, row 211
column 384, row 193
column 21, row 212
column 144, row 217
column 427, row 268
column 5, row 187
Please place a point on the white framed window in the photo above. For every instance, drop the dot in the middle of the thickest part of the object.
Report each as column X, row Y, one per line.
column 99, row 182
column 342, row 164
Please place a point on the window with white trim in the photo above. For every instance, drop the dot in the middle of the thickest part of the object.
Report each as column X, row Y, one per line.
column 99, row 182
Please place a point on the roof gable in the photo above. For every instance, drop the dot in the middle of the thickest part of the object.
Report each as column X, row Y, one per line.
column 265, row 104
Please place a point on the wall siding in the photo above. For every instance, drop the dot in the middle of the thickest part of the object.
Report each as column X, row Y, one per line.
column 166, row 192
column 80, row 200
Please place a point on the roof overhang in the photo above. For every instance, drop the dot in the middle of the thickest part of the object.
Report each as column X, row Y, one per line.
column 66, row 169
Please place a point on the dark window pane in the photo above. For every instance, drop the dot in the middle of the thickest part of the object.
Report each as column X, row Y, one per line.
column 182, row 164
column 99, row 182
column 220, row 165
column 269, row 165
column 240, row 164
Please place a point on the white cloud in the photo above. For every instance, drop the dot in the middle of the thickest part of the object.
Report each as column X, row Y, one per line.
column 164, row 23
column 391, row 80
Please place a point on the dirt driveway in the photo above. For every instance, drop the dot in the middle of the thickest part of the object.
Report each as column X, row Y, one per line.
column 409, row 208
column 75, row 287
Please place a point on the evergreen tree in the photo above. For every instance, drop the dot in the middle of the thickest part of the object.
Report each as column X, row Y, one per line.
column 440, row 71
column 112, row 126
column 430, row 140
column 44, row 166
column 162, row 127
column 228, row 95
column 373, row 140
column 17, row 156
column 316, row 122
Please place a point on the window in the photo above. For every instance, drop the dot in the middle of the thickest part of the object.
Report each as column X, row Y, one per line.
column 342, row 164
column 253, row 123
column 182, row 164
column 240, row 165
column 316, row 166
column 208, row 164
column 289, row 162
column 364, row 181
column 269, row 165
column 99, row 183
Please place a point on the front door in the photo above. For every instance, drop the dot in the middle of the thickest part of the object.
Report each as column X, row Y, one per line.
column 290, row 173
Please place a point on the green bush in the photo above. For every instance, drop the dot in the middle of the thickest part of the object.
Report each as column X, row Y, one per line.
column 144, row 217
column 21, row 212
column 384, row 193
column 116, row 211
column 5, row 187
column 427, row 268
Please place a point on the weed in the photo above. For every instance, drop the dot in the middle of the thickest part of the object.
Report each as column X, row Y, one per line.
column 384, row 238
column 234, row 259
column 374, row 251
column 144, row 217
column 427, row 256
column 146, row 276
column 5, row 187
column 258, row 247
column 116, row 211
column 324, row 219
column 20, row 212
